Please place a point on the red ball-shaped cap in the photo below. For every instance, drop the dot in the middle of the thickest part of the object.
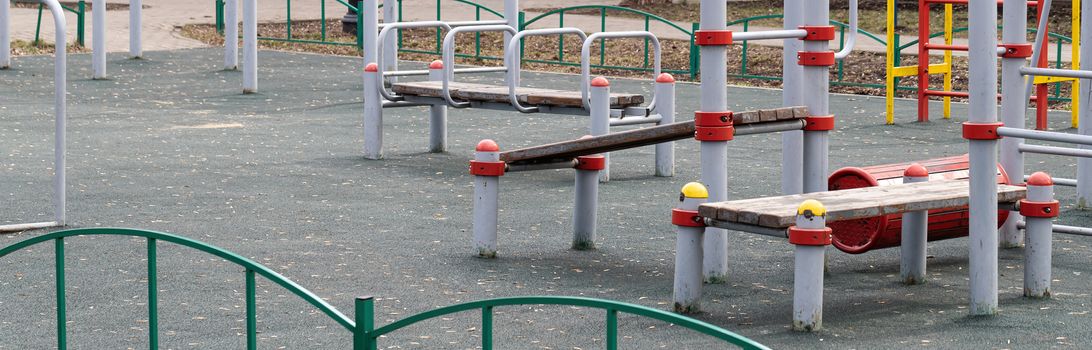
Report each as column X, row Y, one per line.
column 371, row 67
column 487, row 145
column 600, row 82
column 1040, row 179
column 665, row 78
column 916, row 170
column 437, row 64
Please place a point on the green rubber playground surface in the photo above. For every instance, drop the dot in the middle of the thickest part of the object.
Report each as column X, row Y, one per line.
column 169, row 144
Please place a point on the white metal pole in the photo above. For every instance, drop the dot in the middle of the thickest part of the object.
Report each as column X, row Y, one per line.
column 982, row 59
column 437, row 136
column 586, row 194
column 810, row 237
column 792, row 142
column 915, row 226
column 714, row 154
column 1014, row 32
column 1084, row 119
column 688, row 248
column 373, row 113
column 600, row 117
column 1041, row 208
column 665, row 107
column 98, row 40
column 815, row 94
column 486, row 197
column 511, row 15
column 390, row 52
column 231, row 34
column 5, row 34
column 250, row 46
column 136, row 49
column 60, row 92
column 368, row 17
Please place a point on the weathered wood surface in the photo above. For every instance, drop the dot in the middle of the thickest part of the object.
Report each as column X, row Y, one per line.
column 494, row 93
column 566, row 150
column 780, row 212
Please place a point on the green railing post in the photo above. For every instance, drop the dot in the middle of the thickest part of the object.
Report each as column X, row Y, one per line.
column 694, row 52
column 439, row 37
column 251, row 312
column 82, row 6
column 645, row 65
column 322, row 13
column 359, row 27
column 288, row 19
column 219, row 4
column 743, row 53
column 612, row 329
column 153, row 296
column 520, row 20
column 364, row 308
column 560, row 37
column 842, row 45
column 487, row 328
column 603, row 42
column 58, row 266
column 38, row 27
column 477, row 35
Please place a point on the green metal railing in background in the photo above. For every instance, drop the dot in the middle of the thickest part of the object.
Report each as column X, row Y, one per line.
column 362, row 327
column 322, row 38
column 79, row 11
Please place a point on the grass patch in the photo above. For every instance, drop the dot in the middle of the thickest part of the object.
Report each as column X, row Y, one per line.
column 24, row 48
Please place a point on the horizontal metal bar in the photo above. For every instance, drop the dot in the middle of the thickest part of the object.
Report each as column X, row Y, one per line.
column 499, row 106
column 406, row 73
column 635, row 120
column 541, row 166
column 1045, row 135
column 393, row 104
column 1058, row 151
column 30, row 226
column 1054, row 72
column 770, row 34
column 765, row 128
column 1064, row 229
column 758, row 230
column 1059, row 181
column 454, row 24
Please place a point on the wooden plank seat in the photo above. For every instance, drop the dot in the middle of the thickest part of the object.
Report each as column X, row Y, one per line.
column 494, row 93
column 567, row 150
column 780, row 212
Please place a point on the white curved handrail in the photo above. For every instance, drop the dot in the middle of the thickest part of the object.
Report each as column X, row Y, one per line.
column 390, row 96
column 585, row 60
column 512, row 78
column 449, row 56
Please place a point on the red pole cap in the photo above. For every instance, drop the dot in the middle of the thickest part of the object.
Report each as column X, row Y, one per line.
column 665, row 78
column 1040, row 179
column 437, row 64
column 916, row 170
column 600, row 82
column 371, row 67
column 487, row 145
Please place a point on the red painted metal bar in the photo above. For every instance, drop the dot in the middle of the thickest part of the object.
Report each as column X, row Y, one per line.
column 932, row 46
column 923, row 60
column 1042, row 101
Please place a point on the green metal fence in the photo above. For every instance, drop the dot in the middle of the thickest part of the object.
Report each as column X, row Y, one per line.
column 362, row 326
column 78, row 10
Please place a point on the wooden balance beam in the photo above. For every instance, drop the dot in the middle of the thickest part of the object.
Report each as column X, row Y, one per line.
column 567, row 150
column 494, row 93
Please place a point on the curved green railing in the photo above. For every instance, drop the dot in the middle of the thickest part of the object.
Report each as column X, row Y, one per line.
column 81, row 7
column 362, row 327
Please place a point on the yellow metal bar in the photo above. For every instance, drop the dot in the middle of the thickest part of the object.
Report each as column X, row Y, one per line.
column 908, row 71
column 1049, row 80
column 1075, row 58
column 948, row 60
column 889, row 94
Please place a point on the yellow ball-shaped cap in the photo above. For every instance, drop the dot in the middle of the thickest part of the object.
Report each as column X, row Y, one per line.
column 811, row 206
column 695, row 190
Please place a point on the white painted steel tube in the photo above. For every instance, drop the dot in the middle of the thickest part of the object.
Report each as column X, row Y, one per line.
column 1055, row 72
column 486, row 197
column 368, row 20
column 600, row 117
column 585, row 58
column 807, row 291
column 437, row 113
column 1036, row 51
column 231, row 34
column 1045, row 135
column 652, row 119
column 5, row 34
column 1037, row 251
column 250, row 46
column 512, row 60
column 586, row 202
column 816, row 96
column 770, row 34
column 136, row 46
column 1084, row 118
column 983, row 240
column 448, row 55
column 98, row 39
column 714, row 154
column 1072, row 230
column 792, row 142
column 1014, row 32
column 389, row 49
column 373, row 114
column 471, row 70
column 915, row 227
column 1058, row 151
column 380, row 44
column 687, row 286
column 665, row 152
column 512, row 20
column 847, row 47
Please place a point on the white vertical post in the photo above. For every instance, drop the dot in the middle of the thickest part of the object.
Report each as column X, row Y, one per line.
column 487, row 169
column 810, row 237
column 437, row 136
column 373, row 113
column 983, row 241
column 600, row 117
column 250, row 46
column 98, row 40
column 511, row 15
column 231, row 34
column 390, row 52
column 665, row 107
column 714, row 153
column 136, row 49
column 5, row 34
column 586, row 192
column 792, row 142
column 368, row 17
column 1040, row 209
column 1014, row 32
column 915, row 227
column 815, row 87
column 688, row 248
column 1084, row 165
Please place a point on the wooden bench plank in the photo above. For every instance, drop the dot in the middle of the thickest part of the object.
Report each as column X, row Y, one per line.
column 495, row 93
column 780, row 212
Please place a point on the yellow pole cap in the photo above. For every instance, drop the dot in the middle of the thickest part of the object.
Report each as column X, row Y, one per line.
column 811, row 207
column 695, row 190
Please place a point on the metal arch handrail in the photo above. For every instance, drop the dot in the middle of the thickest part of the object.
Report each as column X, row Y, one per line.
column 847, row 48
column 512, row 78
column 391, row 96
column 608, row 7
column 448, row 57
column 237, row 259
column 614, row 306
column 585, row 60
